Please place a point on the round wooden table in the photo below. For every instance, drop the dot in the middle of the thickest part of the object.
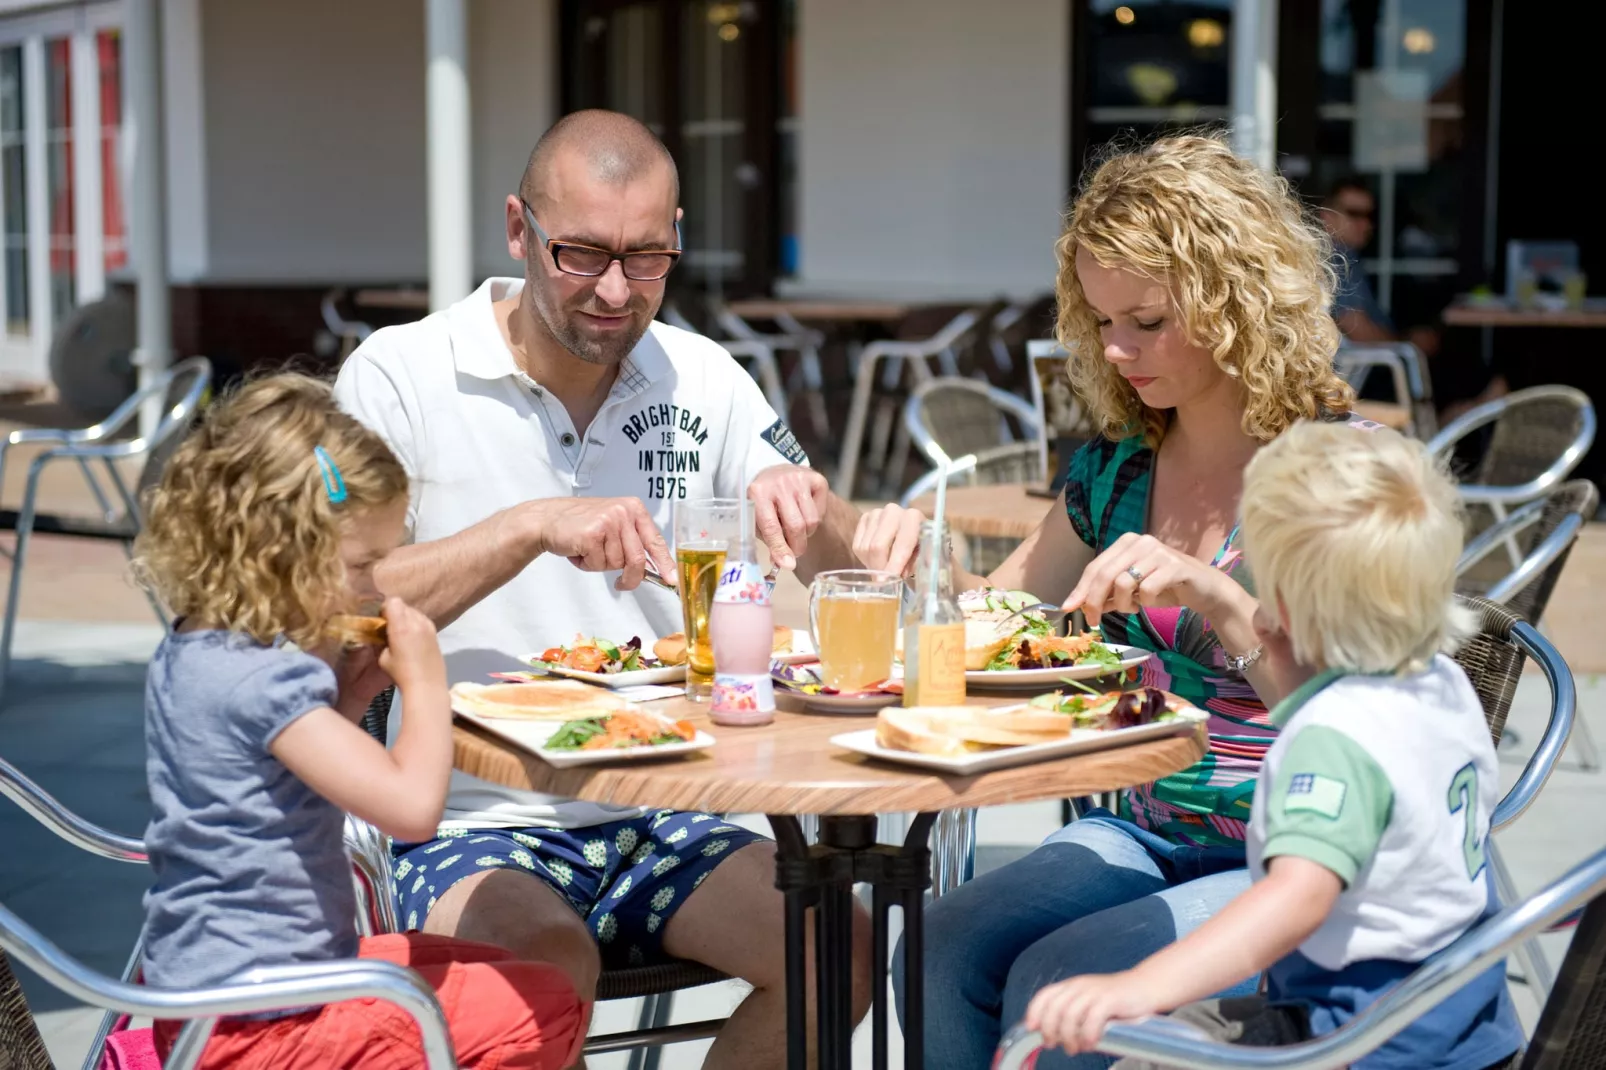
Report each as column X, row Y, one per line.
column 790, row 768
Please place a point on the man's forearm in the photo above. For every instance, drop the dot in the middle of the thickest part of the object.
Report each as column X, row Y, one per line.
column 444, row 577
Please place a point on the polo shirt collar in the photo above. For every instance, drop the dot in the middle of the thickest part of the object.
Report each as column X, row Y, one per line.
column 478, row 348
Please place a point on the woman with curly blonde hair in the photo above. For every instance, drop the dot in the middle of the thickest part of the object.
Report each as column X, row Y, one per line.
column 266, row 525
column 1193, row 293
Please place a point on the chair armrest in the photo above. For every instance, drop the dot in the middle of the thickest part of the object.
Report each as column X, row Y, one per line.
column 1539, row 558
column 927, row 483
column 63, row 822
column 44, row 434
column 266, row 989
column 1563, row 709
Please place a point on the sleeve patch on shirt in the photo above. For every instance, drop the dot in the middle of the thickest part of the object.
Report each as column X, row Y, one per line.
column 786, row 444
column 1315, row 794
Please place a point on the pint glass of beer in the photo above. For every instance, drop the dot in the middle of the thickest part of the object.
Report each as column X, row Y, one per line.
column 705, row 530
column 853, row 614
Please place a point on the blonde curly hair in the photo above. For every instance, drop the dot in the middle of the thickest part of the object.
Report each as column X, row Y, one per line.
column 1248, row 272
column 241, row 532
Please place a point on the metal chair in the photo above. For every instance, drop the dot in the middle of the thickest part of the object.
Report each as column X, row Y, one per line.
column 806, row 342
column 349, row 334
column 1543, row 532
column 120, row 517
column 1010, row 335
column 1537, row 438
column 1408, row 371
column 1571, row 1034
column 655, row 986
column 918, row 359
column 272, row 988
column 950, row 417
column 760, row 355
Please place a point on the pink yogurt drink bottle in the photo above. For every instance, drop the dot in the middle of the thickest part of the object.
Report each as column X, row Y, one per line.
column 740, row 626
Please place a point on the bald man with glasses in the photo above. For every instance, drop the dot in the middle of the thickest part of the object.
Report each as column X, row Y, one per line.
column 549, row 425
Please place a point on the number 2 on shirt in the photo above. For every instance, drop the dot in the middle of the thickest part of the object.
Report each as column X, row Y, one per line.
column 1464, row 798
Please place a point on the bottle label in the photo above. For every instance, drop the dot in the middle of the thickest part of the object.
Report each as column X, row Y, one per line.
column 742, row 693
column 743, row 582
column 942, row 664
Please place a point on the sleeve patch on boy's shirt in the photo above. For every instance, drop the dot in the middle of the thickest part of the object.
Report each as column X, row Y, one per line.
column 1315, row 794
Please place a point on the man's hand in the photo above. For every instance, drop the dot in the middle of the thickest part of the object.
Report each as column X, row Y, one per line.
column 601, row 535
column 1072, row 1014
column 788, row 502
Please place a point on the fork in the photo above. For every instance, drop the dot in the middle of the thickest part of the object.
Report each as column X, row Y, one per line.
column 652, row 576
column 1078, row 622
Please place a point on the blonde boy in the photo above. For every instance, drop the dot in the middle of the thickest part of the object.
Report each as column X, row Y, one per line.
column 1372, row 810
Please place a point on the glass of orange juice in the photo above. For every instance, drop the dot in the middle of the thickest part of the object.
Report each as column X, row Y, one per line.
column 853, row 615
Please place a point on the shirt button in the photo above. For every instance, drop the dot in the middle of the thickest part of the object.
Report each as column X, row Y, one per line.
column 567, row 439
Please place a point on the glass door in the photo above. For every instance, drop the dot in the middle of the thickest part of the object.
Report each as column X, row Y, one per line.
column 704, row 76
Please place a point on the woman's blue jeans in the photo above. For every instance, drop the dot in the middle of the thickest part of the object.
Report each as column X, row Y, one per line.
column 1099, row 895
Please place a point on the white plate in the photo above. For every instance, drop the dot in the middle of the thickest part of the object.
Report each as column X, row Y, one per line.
column 1080, row 741
column 668, row 674
column 1045, row 679
column 532, row 734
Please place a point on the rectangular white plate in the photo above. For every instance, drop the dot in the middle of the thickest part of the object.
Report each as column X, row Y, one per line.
column 1080, row 741
column 670, row 674
column 1045, row 679
column 532, row 734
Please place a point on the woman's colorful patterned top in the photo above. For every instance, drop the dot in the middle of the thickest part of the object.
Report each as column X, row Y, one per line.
column 1207, row 804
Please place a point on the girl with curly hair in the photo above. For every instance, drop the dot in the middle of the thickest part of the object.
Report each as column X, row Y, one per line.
column 267, row 524
column 1193, row 295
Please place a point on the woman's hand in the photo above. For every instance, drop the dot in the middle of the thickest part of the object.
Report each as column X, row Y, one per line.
column 360, row 679
column 1140, row 570
column 888, row 538
column 1072, row 1014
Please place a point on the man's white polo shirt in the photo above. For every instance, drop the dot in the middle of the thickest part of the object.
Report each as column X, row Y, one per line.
column 477, row 436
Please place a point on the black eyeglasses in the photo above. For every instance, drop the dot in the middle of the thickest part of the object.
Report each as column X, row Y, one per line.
column 587, row 261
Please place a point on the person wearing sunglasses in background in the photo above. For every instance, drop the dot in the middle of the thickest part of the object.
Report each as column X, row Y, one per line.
column 1349, row 213
column 549, row 425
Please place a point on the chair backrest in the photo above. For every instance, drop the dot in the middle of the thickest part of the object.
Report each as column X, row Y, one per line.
column 21, row 1046
column 1539, row 435
column 183, row 389
column 1543, row 533
column 949, row 418
column 1571, row 1034
column 1492, row 661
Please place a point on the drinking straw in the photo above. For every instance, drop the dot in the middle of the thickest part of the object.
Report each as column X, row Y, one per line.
column 936, row 523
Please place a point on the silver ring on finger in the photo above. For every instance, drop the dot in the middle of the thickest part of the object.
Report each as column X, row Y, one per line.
column 1136, row 574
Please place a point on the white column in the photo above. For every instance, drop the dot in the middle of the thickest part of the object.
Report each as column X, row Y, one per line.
column 448, row 136
column 1254, row 80
column 142, row 64
column 89, row 228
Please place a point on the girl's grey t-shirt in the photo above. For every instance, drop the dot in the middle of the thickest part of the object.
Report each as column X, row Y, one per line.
column 250, row 865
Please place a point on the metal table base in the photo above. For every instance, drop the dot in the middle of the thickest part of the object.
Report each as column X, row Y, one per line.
column 821, row 877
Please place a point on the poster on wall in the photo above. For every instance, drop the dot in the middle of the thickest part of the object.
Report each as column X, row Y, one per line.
column 1391, row 121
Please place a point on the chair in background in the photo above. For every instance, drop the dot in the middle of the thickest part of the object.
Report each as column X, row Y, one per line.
column 807, row 378
column 1544, row 532
column 182, row 388
column 348, row 334
column 655, row 986
column 918, row 361
column 1011, row 333
column 757, row 355
column 950, row 417
column 1407, row 371
column 1493, row 660
column 1536, row 437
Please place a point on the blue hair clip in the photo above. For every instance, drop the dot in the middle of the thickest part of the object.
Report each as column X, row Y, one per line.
column 332, row 481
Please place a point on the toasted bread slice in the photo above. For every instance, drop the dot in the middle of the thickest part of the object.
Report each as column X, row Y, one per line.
column 353, row 630
column 671, row 649
column 562, row 700
column 912, row 730
column 958, row 729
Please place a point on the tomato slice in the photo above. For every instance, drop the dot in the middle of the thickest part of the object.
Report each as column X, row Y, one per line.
column 553, row 654
column 586, row 659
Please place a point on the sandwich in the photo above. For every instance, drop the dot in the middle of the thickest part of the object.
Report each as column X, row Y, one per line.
column 956, row 730
column 671, row 649
column 561, row 700
column 355, row 631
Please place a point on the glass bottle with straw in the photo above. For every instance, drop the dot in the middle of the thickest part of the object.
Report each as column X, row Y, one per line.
column 933, row 624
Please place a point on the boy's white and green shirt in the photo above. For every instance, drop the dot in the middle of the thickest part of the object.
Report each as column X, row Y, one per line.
column 1390, row 783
